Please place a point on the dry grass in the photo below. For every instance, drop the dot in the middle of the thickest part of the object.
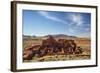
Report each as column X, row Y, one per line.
column 27, row 43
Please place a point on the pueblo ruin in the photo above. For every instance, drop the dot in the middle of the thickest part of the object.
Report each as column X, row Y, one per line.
column 51, row 46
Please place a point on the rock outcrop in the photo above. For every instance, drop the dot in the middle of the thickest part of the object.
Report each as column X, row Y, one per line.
column 51, row 46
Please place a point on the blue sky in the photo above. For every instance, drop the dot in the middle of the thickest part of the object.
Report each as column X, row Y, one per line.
column 41, row 23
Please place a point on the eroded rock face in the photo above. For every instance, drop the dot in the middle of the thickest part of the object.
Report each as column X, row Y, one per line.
column 27, row 54
column 49, row 42
column 51, row 46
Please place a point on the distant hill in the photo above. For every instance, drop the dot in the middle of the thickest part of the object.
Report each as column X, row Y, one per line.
column 27, row 36
column 58, row 36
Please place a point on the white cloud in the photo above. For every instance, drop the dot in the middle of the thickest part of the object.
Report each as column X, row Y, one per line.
column 84, row 33
column 76, row 19
column 72, row 30
column 48, row 16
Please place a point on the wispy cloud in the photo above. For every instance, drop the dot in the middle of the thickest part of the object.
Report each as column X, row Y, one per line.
column 76, row 19
column 78, row 24
column 48, row 16
column 81, row 32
